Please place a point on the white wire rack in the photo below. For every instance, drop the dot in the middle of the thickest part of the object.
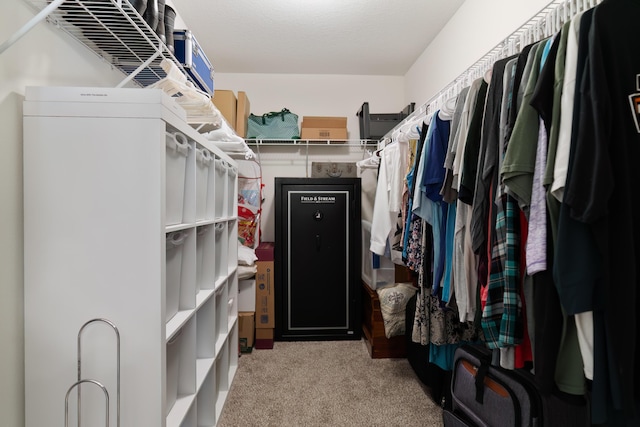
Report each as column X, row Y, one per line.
column 311, row 142
column 544, row 24
column 112, row 29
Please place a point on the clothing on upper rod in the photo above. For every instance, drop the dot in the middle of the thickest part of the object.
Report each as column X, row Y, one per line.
column 543, row 24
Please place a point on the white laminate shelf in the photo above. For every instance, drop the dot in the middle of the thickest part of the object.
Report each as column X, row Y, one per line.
column 113, row 30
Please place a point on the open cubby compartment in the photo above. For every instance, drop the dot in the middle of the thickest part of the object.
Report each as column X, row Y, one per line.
column 222, row 378
column 204, row 168
column 247, row 294
column 222, row 318
column 205, row 339
column 232, row 191
column 220, row 185
column 179, row 178
column 232, row 307
column 232, row 242
column 221, row 256
column 180, row 373
column 180, row 277
column 205, row 257
column 233, row 355
column 206, row 401
column 191, row 420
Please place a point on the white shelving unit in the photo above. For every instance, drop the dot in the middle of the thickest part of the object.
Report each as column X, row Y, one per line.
column 123, row 223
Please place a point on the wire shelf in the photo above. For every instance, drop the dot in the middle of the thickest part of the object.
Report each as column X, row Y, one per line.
column 312, row 142
column 116, row 32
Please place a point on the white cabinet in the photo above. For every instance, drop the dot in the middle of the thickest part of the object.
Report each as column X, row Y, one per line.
column 130, row 216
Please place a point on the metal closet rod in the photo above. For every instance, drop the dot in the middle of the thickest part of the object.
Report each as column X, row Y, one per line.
column 545, row 23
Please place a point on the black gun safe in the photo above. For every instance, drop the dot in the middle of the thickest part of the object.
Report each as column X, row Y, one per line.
column 317, row 258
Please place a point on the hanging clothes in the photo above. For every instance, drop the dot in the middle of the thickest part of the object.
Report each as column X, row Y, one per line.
column 411, row 248
column 523, row 218
column 465, row 261
column 608, row 147
column 388, row 201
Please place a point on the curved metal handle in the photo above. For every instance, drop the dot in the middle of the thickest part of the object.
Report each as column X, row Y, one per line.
column 80, row 380
column 106, row 398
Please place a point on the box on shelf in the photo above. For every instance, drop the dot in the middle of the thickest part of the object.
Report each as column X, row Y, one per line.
column 264, row 339
column 226, row 102
column 265, row 286
column 330, row 128
column 246, row 330
column 376, row 126
column 193, row 59
column 242, row 114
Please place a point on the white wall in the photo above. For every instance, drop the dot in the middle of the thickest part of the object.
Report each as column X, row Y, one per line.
column 45, row 56
column 311, row 95
column 318, row 95
column 476, row 28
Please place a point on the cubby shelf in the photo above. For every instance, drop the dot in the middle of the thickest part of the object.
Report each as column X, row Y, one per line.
column 123, row 223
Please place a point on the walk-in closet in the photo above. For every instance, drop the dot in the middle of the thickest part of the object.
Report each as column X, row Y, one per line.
column 294, row 213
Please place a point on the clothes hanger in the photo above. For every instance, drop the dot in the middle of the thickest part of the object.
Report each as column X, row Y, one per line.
column 448, row 108
column 487, row 75
column 412, row 128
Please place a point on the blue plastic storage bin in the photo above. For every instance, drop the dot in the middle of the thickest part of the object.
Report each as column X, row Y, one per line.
column 193, row 59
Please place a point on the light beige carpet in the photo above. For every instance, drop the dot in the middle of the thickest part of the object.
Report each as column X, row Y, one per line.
column 326, row 383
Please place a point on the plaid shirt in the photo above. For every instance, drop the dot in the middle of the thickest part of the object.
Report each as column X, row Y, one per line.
column 501, row 317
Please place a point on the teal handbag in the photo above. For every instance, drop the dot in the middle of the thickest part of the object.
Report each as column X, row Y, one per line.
column 275, row 125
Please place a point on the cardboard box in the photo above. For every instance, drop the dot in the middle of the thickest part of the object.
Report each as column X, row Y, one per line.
column 226, row 102
column 246, row 330
column 265, row 287
column 331, row 128
column 264, row 339
column 324, row 122
column 324, row 133
column 242, row 114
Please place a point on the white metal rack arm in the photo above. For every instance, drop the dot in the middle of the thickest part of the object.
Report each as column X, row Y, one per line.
column 40, row 16
column 112, row 29
column 141, row 67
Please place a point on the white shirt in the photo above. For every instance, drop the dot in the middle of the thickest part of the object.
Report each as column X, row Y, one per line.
column 388, row 201
column 566, row 110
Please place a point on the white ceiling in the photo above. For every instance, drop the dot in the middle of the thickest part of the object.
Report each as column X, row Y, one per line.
column 361, row 37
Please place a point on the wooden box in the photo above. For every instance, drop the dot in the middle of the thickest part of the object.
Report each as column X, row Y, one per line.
column 378, row 344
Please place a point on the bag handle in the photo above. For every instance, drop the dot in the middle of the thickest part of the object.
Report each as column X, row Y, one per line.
column 275, row 114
